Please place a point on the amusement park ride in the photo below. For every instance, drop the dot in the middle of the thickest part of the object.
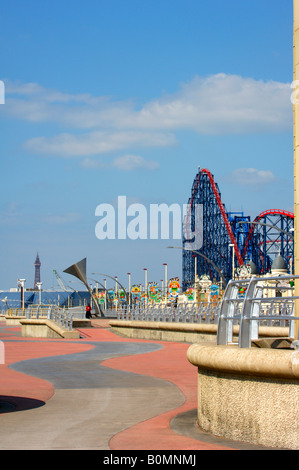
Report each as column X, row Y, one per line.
column 230, row 239
column 229, row 245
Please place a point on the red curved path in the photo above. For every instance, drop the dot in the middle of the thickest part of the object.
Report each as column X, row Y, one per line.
column 169, row 363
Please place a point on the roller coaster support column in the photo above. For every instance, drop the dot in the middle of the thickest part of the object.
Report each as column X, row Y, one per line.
column 296, row 154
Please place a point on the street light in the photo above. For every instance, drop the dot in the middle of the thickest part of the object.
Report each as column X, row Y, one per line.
column 22, row 282
column 115, row 279
column 165, row 264
column 162, row 286
column 105, row 287
column 145, row 280
column 233, row 265
column 39, row 286
column 269, row 225
column 129, row 274
column 105, row 280
column 195, row 267
column 203, row 256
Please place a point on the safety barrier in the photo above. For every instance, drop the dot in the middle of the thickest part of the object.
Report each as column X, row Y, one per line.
column 257, row 306
column 61, row 316
column 203, row 312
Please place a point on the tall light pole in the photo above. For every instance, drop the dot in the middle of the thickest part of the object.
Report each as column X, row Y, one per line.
column 166, row 280
column 105, row 287
column 269, row 225
column 206, row 258
column 22, row 283
column 115, row 279
column 145, row 279
column 195, row 268
column 39, row 286
column 233, row 264
column 129, row 274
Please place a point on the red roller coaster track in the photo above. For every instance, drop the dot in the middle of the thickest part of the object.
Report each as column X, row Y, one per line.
column 260, row 216
column 225, row 218
column 274, row 212
column 223, row 213
column 206, row 190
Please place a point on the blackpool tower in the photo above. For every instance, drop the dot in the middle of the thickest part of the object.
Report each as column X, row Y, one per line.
column 37, row 265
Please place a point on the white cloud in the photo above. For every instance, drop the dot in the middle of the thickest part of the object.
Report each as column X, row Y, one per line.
column 223, row 104
column 218, row 104
column 134, row 162
column 252, row 177
column 90, row 163
column 97, row 142
column 123, row 163
column 62, row 219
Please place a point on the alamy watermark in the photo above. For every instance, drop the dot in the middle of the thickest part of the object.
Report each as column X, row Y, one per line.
column 159, row 221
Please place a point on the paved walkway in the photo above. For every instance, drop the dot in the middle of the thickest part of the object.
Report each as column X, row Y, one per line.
column 100, row 392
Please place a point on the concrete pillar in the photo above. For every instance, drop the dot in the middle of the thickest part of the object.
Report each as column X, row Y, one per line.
column 296, row 152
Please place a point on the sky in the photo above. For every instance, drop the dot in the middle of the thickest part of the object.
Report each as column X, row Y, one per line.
column 110, row 98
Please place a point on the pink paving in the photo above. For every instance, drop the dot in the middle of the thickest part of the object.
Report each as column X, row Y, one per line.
column 170, row 363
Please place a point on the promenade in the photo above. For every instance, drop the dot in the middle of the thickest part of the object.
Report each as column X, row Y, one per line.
column 100, row 392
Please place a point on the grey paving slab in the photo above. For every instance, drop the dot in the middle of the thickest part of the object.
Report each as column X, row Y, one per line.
column 91, row 402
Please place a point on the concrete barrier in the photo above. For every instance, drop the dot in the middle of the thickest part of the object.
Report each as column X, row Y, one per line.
column 165, row 331
column 248, row 394
column 43, row 328
column 183, row 332
column 14, row 320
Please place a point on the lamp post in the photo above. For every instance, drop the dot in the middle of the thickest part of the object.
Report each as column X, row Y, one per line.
column 233, row 264
column 116, row 292
column 195, row 268
column 115, row 279
column 105, row 281
column 105, row 287
column 271, row 226
column 39, row 286
column 165, row 265
column 129, row 274
column 145, row 279
column 206, row 258
column 22, row 283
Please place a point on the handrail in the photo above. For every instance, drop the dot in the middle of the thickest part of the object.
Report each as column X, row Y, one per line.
column 254, row 307
column 183, row 312
column 61, row 316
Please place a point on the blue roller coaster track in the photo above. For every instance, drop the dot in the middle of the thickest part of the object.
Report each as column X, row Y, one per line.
column 227, row 234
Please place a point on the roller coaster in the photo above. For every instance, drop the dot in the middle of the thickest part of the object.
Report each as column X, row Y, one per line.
column 230, row 239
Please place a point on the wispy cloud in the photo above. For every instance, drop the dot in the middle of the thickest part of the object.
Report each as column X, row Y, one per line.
column 127, row 162
column 222, row 104
column 62, row 219
column 134, row 162
column 97, row 142
column 251, row 177
column 93, row 125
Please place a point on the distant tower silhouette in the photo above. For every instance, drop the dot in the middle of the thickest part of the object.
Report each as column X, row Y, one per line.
column 37, row 265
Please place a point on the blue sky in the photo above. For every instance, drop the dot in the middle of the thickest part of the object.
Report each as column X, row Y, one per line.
column 111, row 97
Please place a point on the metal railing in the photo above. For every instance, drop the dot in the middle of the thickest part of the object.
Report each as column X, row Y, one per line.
column 203, row 312
column 258, row 306
column 61, row 316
